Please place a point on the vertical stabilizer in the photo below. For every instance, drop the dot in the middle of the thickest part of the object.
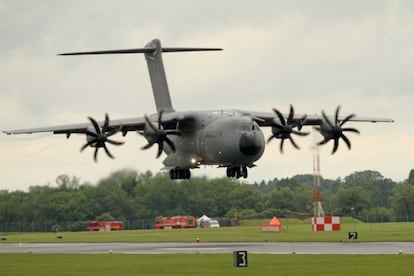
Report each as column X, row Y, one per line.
column 157, row 75
column 153, row 52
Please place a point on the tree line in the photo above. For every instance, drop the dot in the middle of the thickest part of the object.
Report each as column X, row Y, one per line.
column 139, row 198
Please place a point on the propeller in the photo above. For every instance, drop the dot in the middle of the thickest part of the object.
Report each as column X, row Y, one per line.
column 157, row 135
column 98, row 137
column 283, row 129
column 334, row 130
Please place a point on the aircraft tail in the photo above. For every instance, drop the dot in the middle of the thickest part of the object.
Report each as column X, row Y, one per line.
column 158, row 79
column 152, row 51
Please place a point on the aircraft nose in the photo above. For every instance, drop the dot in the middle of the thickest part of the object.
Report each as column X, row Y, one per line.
column 250, row 144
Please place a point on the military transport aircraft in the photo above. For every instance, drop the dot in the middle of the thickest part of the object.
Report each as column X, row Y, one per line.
column 230, row 139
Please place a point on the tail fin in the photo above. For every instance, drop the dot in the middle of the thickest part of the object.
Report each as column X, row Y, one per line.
column 152, row 53
column 157, row 75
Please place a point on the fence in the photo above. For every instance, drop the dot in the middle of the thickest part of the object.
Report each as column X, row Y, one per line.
column 50, row 226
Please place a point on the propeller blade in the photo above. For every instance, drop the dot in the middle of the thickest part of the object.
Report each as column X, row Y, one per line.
column 95, row 125
column 346, row 140
column 87, row 145
column 170, row 143
column 351, row 130
column 290, row 117
column 160, row 148
column 116, row 143
column 336, row 144
column 293, row 143
column 281, row 145
column 337, row 114
column 160, row 118
column 328, row 122
column 147, row 146
column 281, row 118
column 90, row 133
column 95, row 155
column 151, row 125
column 347, row 119
column 299, row 123
column 107, row 152
column 106, row 124
column 323, row 142
column 271, row 138
column 300, row 133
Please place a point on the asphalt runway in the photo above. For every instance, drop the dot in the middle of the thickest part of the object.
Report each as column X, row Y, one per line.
column 191, row 248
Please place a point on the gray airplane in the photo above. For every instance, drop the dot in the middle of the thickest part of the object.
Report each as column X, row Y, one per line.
column 230, row 139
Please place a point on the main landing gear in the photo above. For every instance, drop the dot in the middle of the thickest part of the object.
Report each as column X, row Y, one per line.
column 178, row 173
column 237, row 172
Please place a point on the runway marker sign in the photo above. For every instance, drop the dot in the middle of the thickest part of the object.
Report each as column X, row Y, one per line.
column 352, row 235
column 240, row 258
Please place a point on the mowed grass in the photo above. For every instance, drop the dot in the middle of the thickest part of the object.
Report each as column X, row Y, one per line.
column 248, row 231
column 204, row 264
column 214, row 264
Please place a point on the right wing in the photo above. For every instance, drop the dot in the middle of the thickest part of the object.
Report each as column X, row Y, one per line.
column 122, row 125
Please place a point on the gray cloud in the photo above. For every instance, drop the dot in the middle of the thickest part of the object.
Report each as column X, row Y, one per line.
column 313, row 54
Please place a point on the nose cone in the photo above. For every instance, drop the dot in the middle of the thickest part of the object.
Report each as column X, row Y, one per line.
column 250, row 143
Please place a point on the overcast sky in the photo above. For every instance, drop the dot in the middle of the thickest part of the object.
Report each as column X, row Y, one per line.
column 312, row 54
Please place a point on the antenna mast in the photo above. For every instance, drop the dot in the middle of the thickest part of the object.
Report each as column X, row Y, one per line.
column 317, row 203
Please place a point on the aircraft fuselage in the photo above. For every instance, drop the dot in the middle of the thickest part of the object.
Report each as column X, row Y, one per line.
column 226, row 139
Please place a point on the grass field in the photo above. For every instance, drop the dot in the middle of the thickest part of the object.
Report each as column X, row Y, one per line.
column 204, row 264
column 214, row 264
column 249, row 231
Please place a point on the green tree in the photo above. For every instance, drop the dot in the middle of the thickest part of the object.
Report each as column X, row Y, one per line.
column 105, row 217
column 351, row 201
column 411, row 177
column 403, row 201
column 377, row 188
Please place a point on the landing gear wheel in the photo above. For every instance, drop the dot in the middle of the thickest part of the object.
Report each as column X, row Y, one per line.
column 173, row 174
column 229, row 172
column 187, row 174
column 237, row 172
column 178, row 173
column 244, row 172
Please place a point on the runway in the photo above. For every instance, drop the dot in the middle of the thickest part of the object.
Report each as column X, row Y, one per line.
column 191, row 248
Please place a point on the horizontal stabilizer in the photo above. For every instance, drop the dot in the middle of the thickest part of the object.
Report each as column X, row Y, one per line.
column 141, row 51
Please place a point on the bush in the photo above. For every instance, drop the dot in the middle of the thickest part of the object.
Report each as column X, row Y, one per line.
column 77, row 226
column 56, row 228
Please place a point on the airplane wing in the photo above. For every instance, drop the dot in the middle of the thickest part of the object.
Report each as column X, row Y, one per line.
column 330, row 127
column 122, row 125
column 267, row 119
column 98, row 134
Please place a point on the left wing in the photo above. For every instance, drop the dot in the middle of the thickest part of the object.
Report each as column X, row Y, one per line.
column 267, row 119
column 330, row 127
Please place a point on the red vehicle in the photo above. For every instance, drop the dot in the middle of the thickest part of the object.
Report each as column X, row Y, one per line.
column 176, row 222
column 97, row 225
